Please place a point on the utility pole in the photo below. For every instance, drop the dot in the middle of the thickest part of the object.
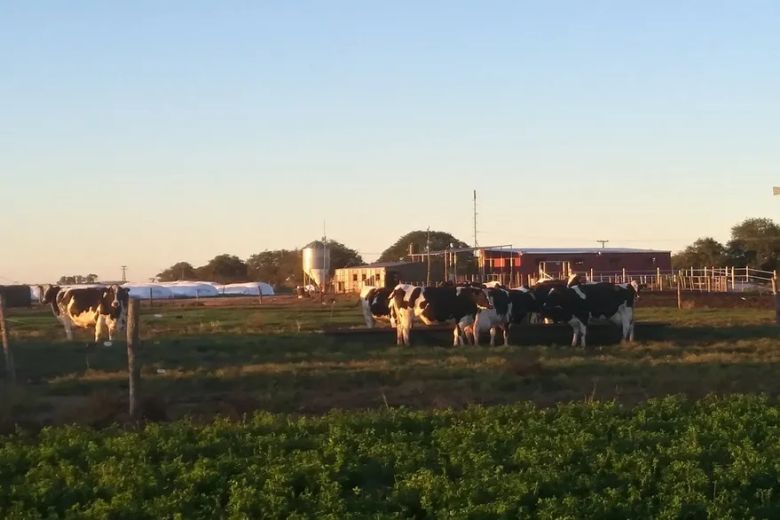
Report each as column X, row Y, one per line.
column 428, row 251
column 476, row 243
column 124, row 273
column 776, row 191
column 603, row 243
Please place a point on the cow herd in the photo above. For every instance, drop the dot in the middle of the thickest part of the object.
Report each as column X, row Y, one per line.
column 476, row 309
column 472, row 309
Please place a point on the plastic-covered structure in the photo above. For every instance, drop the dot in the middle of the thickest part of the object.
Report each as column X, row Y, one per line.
column 247, row 289
column 146, row 291
column 191, row 289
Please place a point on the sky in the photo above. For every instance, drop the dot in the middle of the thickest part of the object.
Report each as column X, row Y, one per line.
column 145, row 133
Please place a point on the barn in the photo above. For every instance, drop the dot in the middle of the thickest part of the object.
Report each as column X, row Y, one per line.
column 382, row 274
column 519, row 265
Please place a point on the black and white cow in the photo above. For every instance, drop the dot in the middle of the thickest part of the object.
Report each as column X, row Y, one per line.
column 433, row 305
column 375, row 304
column 509, row 307
column 494, row 312
column 577, row 303
column 86, row 307
column 540, row 291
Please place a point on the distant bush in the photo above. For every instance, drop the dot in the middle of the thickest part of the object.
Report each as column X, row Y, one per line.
column 668, row 458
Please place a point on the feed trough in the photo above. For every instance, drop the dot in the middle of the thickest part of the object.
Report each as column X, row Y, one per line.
column 599, row 333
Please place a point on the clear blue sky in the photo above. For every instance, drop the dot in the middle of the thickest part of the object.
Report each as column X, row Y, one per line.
column 144, row 133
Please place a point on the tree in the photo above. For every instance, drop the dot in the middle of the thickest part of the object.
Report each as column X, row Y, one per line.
column 439, row 240
column 704, row 252
column 77, row 279
column 281, row 267
column 224, row 269
column 755, row 243
column 400, row 250
column 178, row 271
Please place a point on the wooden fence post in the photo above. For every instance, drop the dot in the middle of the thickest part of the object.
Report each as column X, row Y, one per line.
column 679, row 294
column 777, row 300
column 133, row 368
column 10, row 369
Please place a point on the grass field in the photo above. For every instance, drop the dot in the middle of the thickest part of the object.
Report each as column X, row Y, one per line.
column 202, row 362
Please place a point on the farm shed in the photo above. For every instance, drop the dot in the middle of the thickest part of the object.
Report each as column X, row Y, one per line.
column 559, row 262
column 382, row 274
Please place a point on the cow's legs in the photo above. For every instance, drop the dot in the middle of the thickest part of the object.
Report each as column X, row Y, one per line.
column 583, row 333
column 404, row 328
column 492, row 336
column 112, row 326
column 628, row 324
column 68, row 327
column 579, row 331
column 367, row 316
column 99, row 323
column 505, row 328
column 574, row 323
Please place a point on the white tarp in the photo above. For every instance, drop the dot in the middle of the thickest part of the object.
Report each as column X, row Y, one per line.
column 145, row 291
column 247, row 289
column 191, row 289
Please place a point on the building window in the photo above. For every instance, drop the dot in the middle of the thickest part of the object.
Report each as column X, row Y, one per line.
column 354, row 277
column 363, row 277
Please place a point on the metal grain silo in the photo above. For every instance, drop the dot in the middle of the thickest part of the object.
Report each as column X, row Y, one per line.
column 316, row 263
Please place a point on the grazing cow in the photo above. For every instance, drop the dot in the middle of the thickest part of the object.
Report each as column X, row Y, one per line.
column 375, row 303
column 85, row 307
column 434, row 305
column 580, row 302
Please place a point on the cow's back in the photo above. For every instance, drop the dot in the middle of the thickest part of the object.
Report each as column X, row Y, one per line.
column 605, row 299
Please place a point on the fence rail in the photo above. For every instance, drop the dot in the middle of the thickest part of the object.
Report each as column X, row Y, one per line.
column 703, row 279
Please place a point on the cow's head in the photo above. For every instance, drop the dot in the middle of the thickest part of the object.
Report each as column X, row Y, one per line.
column 478, row 296
column 48, row 293
column 116, row 298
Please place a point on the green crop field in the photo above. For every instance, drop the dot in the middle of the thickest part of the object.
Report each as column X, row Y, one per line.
column 667, row 458
column 312, row 425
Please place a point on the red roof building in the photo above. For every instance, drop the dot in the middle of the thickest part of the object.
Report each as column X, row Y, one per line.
column 513, row 265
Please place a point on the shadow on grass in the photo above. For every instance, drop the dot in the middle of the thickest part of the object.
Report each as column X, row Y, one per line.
column 312, row 373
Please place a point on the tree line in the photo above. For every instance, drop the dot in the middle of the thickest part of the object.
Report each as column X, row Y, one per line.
column 755, row 243
column 283, row 267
